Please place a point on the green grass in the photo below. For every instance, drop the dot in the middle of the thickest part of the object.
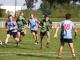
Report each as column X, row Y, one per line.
column 28, row 51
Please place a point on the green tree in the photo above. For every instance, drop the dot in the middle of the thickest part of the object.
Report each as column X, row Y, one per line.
column 30, row 4
column 45, row 7
column 63, row 1
column 51, row 2
column 48, row 5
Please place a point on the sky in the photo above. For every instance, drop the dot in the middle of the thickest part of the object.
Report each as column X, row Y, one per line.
column 9, row 5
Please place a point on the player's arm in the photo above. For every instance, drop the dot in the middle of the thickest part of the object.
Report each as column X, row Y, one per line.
column 15, row 27
column 41, row 25
column 56, row 32
column 6, row 27
column 6, row 24
column 75, row 32
column 37, row 21
column 28, row 24
column 50, row 24
column 25, row 24
column 24, row 21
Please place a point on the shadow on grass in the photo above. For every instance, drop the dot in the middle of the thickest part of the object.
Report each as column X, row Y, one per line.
column 36, row 55
column 21, row 46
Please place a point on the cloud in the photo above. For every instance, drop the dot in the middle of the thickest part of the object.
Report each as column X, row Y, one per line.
column 12, row 2
column 9, row 5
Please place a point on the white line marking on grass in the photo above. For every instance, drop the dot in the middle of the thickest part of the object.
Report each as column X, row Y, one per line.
column 7, row 55
column 34, row 52
column 47, row 54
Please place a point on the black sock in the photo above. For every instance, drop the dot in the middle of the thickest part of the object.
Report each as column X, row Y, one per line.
column 17, row 43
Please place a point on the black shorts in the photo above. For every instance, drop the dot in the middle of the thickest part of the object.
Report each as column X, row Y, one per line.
column 63, row 41
column 35, row 31
column 14, row 34
column 43, row 33
column 21, row 32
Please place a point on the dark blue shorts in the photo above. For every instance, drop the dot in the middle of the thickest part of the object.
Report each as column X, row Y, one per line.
column 14, row 34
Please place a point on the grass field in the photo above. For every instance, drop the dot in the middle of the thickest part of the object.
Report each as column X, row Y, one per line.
column 28, row 51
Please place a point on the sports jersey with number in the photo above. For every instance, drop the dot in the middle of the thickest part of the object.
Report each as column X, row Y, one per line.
column 66, row 29
column 10, row 25
column 45, row 25
column 33, row 24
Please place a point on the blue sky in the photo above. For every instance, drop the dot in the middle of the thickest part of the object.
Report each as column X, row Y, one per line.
column 10, row 4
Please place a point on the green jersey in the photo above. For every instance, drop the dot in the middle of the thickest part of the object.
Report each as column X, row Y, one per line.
column 45, row 25
column 21, row 23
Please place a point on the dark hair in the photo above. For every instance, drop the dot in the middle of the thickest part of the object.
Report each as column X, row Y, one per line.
column 68, row 16
column 9, row 16
column 46, row 16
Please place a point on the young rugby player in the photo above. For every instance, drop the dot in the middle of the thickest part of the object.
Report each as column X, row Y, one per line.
column 45, row 24
column 33, row 24
column 21, row 23
column 11, row 27
column 66, row 35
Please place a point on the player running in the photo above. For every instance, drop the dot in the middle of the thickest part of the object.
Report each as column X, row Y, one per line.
column 21, row 23
column 11, row 27
column 33, row 24
column 66, row 35
column 45, row 24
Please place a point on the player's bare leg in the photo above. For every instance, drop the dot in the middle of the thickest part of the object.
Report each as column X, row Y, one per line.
column 72, row 51
column 7, row 38
column 60, row 51
column 19, row 36
column 48, row 40
column 17, row 41
column 41, row 41
column 35, row 37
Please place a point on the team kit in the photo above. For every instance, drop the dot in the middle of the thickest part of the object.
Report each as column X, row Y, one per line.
column 17, row 28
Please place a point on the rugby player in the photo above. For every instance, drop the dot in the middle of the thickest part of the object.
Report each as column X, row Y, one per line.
column 33, row 24
column 22, row 25
column 66, row 35
column 11, row 27
column 45, row 24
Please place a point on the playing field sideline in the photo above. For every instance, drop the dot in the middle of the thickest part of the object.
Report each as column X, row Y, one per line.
column 28, row 51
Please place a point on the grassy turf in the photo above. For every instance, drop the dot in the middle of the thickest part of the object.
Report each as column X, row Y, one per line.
column 28, row 51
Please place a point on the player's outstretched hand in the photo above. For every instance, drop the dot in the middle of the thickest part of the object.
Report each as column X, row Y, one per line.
column 55, row 36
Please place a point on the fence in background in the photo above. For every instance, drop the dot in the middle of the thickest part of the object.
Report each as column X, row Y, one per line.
column 2, row 24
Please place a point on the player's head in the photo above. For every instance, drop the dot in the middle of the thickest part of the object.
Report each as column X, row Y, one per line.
column 21, row 13
column 31, row 15
column 10, row 17
column 68, row 16
column 20, row 17
column 46, row 17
